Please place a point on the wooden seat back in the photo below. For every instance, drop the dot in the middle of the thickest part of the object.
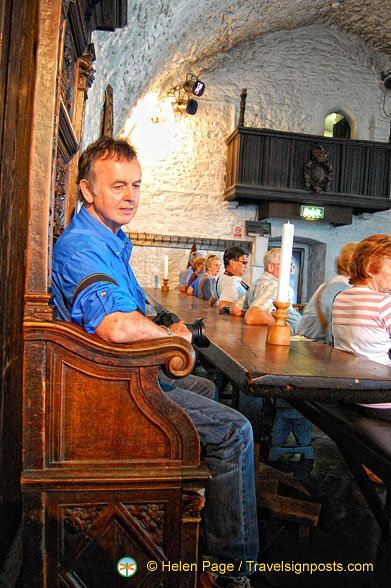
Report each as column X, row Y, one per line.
column 111, row 466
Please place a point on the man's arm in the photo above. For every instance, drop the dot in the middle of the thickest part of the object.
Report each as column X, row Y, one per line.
column 184, row 279
column 224, row 303
column 256, row 316
column 129, row 327
column 233, row 309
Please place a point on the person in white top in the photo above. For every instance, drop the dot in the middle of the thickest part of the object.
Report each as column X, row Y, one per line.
column 361, row 315
column 230, row 286
column 258, row 301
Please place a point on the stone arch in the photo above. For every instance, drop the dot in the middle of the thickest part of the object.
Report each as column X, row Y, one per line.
column 349, row 117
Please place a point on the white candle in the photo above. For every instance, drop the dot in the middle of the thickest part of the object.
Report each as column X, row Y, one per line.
column 285, row 262
column 165, row 267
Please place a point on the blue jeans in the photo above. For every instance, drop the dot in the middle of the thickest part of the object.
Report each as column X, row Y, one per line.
column 196, row 384
column 229, row 516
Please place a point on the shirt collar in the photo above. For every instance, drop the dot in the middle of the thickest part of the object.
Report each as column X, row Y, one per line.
column 270, row 277
column 116, row 243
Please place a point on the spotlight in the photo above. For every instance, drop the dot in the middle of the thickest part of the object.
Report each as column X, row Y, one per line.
column 188, row 106
column 193, row 85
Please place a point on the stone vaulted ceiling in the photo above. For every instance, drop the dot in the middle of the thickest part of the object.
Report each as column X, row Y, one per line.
column 165, row 38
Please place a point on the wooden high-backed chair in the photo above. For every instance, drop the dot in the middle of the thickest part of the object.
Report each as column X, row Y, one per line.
column 111, row 467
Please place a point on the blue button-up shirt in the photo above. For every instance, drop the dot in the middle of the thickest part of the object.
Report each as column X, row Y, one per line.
column 87, row 248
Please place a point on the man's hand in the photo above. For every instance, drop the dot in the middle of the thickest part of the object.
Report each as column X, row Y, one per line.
column 256, row 316
column 180, row 330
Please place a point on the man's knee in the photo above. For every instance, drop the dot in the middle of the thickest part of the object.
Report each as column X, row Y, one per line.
column 198, row 385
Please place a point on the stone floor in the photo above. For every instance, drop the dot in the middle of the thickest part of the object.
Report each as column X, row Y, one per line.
column 346, row 533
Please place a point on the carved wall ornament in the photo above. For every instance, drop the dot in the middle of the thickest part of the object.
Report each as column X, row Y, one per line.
column 318, row 172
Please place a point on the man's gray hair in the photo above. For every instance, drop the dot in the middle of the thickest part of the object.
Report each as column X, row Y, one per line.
column 271, row 256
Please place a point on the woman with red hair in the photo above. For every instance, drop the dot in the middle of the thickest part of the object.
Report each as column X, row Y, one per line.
column 361, row 318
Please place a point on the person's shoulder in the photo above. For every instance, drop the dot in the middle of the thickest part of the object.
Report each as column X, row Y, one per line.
column 72, row 241
column 334, row 287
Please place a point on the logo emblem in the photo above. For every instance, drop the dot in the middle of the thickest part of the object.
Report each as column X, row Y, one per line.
column 126, row 566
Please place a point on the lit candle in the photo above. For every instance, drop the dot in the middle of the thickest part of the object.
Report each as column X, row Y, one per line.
column 285, row 262
column 165, row 267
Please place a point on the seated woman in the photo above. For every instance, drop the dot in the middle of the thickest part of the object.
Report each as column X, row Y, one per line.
column 361, row 315
column 316, row 320
column 205, row 286
column 199, row 268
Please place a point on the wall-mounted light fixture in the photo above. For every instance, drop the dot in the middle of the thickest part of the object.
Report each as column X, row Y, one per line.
column 193, row 85
column 183, row 103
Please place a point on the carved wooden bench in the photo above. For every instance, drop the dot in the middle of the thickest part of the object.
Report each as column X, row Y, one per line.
column 111, row 466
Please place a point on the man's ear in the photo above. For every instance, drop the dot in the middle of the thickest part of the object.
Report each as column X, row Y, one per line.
column 86, row 190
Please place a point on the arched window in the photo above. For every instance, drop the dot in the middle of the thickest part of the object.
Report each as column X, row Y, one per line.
column 337, row 125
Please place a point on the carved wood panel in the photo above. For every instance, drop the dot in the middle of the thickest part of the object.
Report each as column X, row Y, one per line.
column 274, row 166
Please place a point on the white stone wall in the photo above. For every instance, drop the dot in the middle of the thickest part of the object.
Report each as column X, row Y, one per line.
column 293, row 79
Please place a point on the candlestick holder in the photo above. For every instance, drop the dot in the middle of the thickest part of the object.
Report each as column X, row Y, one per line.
column 165, row 287
column 279, row 333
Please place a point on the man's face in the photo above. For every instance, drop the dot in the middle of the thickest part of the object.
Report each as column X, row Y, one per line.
column 274, row 268
column 112, row 194
column 237, row 267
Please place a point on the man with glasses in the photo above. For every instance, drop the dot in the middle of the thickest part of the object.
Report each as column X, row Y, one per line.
column 262, row 294
column 230, row 286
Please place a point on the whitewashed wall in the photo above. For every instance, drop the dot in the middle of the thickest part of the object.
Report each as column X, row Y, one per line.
column 293, row 79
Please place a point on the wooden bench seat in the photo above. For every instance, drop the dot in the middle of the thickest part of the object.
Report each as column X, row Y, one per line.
column 111, row 466
column 363, row 442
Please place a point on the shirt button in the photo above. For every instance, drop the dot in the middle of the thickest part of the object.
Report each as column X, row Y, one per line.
column 103, row 293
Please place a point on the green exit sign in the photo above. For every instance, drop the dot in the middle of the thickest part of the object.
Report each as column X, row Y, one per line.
column 312, row 212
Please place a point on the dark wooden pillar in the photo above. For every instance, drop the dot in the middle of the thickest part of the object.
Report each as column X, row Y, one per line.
column 18, row 37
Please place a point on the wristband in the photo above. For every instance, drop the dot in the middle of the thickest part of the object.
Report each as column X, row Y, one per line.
column 170, row 333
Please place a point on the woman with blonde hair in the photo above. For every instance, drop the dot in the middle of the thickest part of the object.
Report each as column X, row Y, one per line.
column 206, row 287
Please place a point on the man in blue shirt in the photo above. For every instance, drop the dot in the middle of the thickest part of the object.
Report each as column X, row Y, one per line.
column 94, row 286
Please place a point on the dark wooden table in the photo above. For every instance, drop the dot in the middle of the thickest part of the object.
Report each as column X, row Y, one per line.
column 305, row 370
column 304, row 373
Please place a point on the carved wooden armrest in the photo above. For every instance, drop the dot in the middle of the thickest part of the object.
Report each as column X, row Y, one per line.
column 174, row 354
column 98, row 403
